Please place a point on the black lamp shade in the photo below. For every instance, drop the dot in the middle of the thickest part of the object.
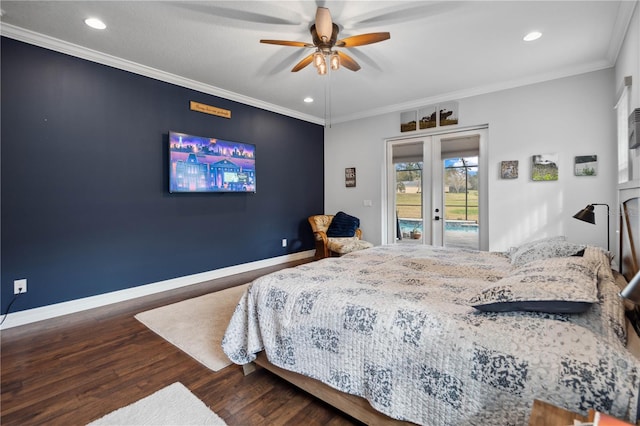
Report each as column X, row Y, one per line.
column 586, row 214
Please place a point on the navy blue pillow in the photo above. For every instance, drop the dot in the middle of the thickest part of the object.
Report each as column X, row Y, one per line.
column 343, row 225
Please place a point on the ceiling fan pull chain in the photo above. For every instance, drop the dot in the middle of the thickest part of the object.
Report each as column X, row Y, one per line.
column 327, row 101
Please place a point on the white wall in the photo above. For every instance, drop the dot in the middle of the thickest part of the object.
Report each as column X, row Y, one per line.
column 570, row 116
column 628, row 61
column 628, row 64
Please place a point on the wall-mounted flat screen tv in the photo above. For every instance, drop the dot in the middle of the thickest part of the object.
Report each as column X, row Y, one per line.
column 202, row 164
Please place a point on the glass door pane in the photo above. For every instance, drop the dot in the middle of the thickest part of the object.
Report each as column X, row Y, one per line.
column 461, row 202
column 409, row 208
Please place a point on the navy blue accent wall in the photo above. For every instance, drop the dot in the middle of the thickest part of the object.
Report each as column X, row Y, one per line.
column 85, row 203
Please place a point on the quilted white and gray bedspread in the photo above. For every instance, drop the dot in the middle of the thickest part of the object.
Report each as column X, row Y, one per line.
column 394, row 325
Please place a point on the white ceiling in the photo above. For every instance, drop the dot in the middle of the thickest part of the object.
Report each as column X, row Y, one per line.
column 439, row 50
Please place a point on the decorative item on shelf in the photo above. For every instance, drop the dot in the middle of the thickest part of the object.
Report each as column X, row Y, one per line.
column 587, row 215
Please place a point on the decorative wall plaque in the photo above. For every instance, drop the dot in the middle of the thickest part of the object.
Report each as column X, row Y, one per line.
column 350, row 177
column 208, row 109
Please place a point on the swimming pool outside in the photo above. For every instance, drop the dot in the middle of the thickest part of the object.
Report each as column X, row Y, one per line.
column 409, row 225
column 457, row 233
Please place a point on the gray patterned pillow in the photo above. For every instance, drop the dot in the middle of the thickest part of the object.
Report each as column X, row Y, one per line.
column 598, row 255
column 555, row 285
column 544, row 249
column 607, row 316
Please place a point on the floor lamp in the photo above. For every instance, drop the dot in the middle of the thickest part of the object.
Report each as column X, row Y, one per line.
column 587, row 215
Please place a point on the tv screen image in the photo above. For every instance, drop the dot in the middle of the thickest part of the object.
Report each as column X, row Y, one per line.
column 202, row 164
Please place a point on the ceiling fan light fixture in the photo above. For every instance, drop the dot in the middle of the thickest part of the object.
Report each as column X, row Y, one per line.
column 324, row 36
column 322, row 68
column 335, row 61
column 318, row 59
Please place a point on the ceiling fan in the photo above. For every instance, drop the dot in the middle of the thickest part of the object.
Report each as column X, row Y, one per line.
column 324, row 34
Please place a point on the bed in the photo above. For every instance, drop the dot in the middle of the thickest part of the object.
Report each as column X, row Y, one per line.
column 440, row 336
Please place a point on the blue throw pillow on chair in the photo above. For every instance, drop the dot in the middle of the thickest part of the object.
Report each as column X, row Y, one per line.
column 343, row 225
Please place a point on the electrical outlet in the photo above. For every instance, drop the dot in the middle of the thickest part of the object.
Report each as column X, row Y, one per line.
column 284, row 242
column 20, row 286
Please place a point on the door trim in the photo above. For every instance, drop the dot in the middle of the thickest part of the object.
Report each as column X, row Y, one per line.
column 388, row 232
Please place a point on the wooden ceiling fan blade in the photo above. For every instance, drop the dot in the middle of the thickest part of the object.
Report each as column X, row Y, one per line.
column 347, row 61
column 287, row 43
column 303, row 63
column 362, row 39
column 324, row 24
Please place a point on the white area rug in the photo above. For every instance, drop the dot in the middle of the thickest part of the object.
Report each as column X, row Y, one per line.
column 173, row 405
column 197, row 325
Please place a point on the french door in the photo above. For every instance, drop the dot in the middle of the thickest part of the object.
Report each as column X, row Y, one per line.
column 424, row 193
column 412, row 204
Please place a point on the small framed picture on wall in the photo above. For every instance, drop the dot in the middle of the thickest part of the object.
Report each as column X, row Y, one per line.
column 448, row 113
column 427, row 117
column 509, row 169
column 586, row 165
column 350, row 177
column 544, row 167
column 408, row 121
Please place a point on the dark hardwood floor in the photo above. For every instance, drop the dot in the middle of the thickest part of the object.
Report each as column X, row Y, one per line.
column 77, row 368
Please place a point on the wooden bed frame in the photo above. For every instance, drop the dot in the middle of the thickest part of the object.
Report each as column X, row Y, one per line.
column 355, row 406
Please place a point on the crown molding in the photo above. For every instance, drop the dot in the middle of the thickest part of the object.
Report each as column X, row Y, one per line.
column 481, row 90
column 51, row 43
column 623, row 20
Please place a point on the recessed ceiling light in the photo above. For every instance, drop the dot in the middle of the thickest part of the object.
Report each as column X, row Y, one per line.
column 95, row 23
column 533, row 35
column 308, row 99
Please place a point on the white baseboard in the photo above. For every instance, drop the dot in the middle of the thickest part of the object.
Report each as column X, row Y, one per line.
column 51, row 311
